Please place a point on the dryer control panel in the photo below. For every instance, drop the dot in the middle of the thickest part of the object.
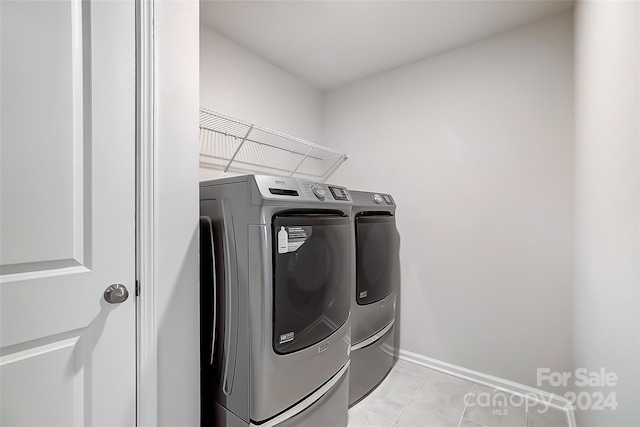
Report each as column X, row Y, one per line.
column 297, row 189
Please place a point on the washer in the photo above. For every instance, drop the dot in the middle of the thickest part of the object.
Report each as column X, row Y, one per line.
column 276, row 275
column 374, row 349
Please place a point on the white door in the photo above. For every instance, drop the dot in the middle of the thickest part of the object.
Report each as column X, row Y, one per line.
column 67, row 191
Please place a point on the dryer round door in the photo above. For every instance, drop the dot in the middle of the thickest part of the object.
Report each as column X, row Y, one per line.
column 376, row 255
column 312, row 278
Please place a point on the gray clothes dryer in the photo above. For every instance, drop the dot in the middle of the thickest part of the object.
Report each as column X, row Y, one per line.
column 276, row 275
column 373, row 308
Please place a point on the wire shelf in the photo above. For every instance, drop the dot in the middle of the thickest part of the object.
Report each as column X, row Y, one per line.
column 233, row 145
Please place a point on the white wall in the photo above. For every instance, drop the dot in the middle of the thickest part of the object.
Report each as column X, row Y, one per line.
column 176, row 269
column 476, row 145
column 236, row 82
column 606, row 328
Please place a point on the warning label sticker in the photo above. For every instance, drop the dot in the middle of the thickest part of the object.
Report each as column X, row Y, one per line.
column 291, row 238
column 297, row 237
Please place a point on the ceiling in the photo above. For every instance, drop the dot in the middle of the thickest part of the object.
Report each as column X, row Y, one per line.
column 330, row 43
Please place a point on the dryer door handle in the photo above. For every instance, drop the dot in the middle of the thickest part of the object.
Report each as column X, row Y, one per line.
column 205, row 221
column 231, row 300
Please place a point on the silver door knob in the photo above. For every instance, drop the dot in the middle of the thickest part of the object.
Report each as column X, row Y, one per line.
column 116, row 293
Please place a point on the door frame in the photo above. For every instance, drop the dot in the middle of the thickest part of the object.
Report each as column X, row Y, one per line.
column 146, row 166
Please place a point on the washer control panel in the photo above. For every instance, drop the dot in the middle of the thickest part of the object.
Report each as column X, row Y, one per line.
column 380, row 199
column 298, row 189
column 322, row 191
column 339, row 193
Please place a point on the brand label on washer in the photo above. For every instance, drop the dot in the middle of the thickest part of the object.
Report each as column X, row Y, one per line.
column 291, row 238
column 323, row 347
column 363, row 294
column 286, row 337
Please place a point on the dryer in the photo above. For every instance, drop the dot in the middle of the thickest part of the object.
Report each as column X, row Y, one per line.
column 276, row 276
column 374, row 349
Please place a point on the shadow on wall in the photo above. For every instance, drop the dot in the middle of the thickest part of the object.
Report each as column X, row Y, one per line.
column 179, row 341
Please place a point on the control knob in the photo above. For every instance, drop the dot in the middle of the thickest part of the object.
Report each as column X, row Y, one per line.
column 377, row 199
column 318, row 191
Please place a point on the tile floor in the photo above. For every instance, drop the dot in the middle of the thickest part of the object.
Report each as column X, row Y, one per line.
column 415, row 396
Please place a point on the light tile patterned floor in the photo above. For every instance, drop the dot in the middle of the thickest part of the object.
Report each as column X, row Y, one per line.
column 414, row 396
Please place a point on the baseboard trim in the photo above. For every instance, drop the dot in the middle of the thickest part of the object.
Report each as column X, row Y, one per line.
column 541, row 396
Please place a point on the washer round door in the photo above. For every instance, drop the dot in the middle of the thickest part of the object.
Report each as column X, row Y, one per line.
column 312, row 278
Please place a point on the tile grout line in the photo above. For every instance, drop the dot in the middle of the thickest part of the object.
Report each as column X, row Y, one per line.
column 466, row 403
column 375, row 415
column 411, row 398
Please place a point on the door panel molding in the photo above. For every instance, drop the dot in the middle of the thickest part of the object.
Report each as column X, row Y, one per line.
column 29, row 391
column 43, row 270
column 81, row 94
column 58, row 171
column 37, row 350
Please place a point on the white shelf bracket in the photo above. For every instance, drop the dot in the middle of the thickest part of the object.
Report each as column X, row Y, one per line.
column 238, row 149
column 302, row 161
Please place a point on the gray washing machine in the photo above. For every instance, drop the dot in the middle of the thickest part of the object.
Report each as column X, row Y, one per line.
column 374, row 347
column 276, row 275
